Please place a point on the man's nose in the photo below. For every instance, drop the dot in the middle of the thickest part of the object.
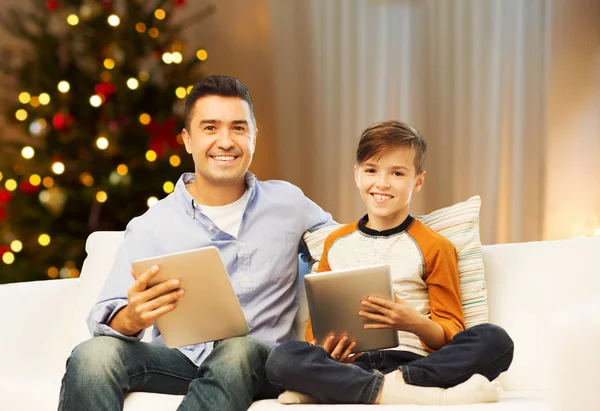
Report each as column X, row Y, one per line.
column 225, row 141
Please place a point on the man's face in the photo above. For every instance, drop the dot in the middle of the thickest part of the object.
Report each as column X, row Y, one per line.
column 221, row 139
column 386, row 185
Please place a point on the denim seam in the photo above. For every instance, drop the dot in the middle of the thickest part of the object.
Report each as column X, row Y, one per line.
column 405, row 374
column 375, row 387
column 161, row 373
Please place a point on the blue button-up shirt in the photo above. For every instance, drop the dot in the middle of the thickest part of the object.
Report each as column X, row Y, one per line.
column 262, row 261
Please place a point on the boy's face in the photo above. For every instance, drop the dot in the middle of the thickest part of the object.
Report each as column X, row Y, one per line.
column 386, row 185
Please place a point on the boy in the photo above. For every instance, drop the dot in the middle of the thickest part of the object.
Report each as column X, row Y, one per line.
column 437, row 361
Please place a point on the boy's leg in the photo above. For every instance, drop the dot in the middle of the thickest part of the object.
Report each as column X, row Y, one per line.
column 102, row 370
column 231, row 377
column 309, row 369
column 484, row 349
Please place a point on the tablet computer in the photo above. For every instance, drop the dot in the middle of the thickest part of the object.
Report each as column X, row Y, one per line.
column 209, row 310
column 334, row 302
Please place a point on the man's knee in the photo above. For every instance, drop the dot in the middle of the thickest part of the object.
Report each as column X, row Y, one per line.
column 96, row 358
column 243, row 350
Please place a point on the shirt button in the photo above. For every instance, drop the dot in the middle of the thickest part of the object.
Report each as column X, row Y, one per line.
column 212, row 227
column 239, row 243
column 244, row 278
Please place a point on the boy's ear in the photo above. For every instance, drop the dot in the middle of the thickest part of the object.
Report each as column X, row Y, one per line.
column 419, row 181
column 356, row 178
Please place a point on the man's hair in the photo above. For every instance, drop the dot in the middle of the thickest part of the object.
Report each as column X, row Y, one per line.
column 385, row 135
column 223, row 86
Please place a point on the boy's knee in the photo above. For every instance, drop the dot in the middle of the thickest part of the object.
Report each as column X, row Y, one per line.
column 496, row 338
column 284, row 360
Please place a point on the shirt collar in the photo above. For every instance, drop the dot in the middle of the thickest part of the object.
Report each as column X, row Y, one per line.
column 385, row 233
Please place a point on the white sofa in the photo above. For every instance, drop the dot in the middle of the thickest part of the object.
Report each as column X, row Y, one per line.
column 534, row 292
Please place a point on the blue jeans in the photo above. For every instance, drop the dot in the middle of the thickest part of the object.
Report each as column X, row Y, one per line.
column 299, row 366
column 102, row 370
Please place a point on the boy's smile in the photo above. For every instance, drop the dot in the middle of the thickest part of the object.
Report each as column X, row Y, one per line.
column 386, row 184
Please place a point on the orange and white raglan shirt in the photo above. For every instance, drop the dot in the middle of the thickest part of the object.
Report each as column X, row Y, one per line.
column 423, row 265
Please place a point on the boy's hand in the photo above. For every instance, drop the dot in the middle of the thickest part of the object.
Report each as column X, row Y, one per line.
column 340, row 349
column 398, row 315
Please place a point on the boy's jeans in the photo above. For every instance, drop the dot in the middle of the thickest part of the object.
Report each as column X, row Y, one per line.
column 102, row 370
column 299, row 366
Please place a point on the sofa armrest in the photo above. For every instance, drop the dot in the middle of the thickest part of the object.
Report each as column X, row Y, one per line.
column 36, row 321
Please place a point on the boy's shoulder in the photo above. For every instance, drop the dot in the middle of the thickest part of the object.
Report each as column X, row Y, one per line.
column 427, row 238
column 342, row 231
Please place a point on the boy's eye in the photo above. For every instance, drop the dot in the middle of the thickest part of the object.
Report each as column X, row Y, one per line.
column 398, row 173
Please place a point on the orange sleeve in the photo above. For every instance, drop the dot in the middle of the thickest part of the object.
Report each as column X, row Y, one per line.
column 323, row 266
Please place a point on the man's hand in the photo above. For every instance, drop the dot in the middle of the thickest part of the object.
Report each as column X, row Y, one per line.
column 398, row 315
column 339, row 348
column 145, row 304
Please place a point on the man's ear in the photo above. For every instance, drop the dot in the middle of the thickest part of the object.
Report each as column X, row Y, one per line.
column 356, row 176
column 187, row 141
column 419, row 181
column 253, row 143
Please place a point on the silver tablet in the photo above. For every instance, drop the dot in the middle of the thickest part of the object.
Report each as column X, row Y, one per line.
column 209, row 310
column 334, row 302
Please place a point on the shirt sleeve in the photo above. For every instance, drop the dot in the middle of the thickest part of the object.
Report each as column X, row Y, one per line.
column 136, row 245
column 323, row 266
column 444, row 290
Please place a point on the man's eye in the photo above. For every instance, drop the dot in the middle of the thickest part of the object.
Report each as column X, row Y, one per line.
column 369, row 170
column 239, row 128
column 210, row 128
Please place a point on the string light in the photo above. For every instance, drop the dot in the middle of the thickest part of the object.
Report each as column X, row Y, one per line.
column 35, row 101
column 52, row 272
column 145, row 118
column 151, row 201
column 10, row 184
column 101, row 196
column 102, row 143
column 16, row 246
column 21, row 114
column 168, row 187
column 27, row 152
column 96, row 100
column 174, row 160
column 167, row 58
column 44, row 99
column 160, row 14
column 58, row 167
column 44, row 240
column 109, row 64
column 64, row 86
column 72, row 19
column 122, row 169
column 86, row 179
column 202, row 54
column 144, row 76
column 48, row 182
column 35, row 180
column 1, row 176
column 189, row 89
column 151, row 155
column 153, row 32
column 180, row 92
column 113, row 20
column 24, row 97
column 177, row 57
column 133, row 83
column 8, row 258
column 140, row 27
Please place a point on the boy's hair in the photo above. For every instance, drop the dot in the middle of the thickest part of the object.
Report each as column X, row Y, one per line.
column 223, row 86
column 379, row 137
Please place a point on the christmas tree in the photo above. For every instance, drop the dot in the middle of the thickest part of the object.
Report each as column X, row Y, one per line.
column 95, row 91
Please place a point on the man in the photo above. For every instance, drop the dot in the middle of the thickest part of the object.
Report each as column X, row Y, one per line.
column 257, row 227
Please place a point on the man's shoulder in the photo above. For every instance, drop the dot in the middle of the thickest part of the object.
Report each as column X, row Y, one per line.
column 155, row 216
column 279, row 186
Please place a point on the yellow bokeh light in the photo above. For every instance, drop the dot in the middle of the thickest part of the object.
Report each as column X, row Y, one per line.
column 180, row 92
column 10, row 184
column 153, row 32
column 189, row 89
column 145, row 118
column 140, row 27
column 86, row 179
column 1, row 176
column 174, row 160
column 48, row 182
column 151, row 201
column 21, row 115
column 102, row 143
column 168, row 187
column 177, row 57
column 44, row 240
column 122, row 169
column 160, row 14
column 96, row 100
column 144, row 76
column 58, row 167
column 202, row 54
column 35, row 180
column 63, row 86
column 72, row 19
column 24, row 97
column 113, row 20
column 133, row 83
column 27, row 152
column 8, row 258
column 151, row 155
column 101, row 196
column 167, row 58
column 52, row 272
column 109, row 64
column 16, row 246
column 44, row 99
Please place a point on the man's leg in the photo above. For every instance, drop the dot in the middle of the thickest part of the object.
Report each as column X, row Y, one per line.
column 231, row 377
column 309, row 369
column 102, row 370
column 484, row 349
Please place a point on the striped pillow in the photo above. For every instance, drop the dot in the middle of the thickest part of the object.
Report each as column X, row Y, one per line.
column 460, row 224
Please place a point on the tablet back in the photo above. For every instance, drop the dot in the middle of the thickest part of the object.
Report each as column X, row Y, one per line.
column 209, row 310
column 334, row 302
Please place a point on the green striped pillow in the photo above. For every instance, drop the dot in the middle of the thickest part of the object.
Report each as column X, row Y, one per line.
column 460, row 224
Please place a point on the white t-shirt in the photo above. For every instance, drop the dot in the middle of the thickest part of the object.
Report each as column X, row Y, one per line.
column 228, row 217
